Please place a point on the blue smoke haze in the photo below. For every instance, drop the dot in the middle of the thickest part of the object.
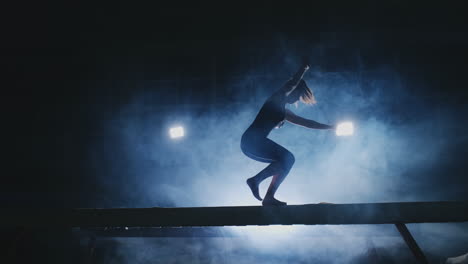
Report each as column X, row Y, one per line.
column 402, row 150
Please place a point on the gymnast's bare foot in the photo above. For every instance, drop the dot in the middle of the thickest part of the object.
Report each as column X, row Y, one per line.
column 271, row 201
column 253, row 185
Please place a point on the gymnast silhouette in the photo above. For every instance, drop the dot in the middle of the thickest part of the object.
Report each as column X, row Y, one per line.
column 256, row 144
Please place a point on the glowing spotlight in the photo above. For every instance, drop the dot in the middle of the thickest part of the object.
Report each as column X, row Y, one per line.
column 344, row 129
column 176, row 132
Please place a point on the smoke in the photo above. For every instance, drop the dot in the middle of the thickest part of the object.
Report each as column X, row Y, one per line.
column 399, row 153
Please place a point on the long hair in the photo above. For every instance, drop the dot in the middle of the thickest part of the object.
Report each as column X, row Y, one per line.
column 305, row 93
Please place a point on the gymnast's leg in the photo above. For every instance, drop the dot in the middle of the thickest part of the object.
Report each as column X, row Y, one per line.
column 286, row 162
column 280, row 159
column 253, row 182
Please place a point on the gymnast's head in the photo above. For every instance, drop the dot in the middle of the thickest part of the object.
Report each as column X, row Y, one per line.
column 301, row 93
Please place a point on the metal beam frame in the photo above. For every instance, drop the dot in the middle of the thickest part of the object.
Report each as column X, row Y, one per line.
column 411, row 243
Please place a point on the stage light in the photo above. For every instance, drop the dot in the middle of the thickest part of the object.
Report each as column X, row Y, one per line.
column 176, row 132
column 344, row 129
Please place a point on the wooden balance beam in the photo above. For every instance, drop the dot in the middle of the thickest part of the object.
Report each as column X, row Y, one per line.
column 308, row 214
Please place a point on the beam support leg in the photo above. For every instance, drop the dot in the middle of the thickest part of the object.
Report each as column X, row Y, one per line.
column 417, row 252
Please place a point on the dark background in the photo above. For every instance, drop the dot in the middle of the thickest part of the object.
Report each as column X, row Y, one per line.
column 68, row 68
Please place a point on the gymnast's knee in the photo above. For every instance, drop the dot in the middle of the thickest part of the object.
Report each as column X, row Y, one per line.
column 288, row 161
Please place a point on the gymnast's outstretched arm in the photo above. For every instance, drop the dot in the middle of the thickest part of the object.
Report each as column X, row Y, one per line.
column 298, row 120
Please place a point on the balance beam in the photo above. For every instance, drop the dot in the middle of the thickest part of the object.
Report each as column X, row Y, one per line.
column 308, row 214
column 398, row 214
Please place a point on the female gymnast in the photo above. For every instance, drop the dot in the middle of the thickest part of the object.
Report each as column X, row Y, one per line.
column 256, row 144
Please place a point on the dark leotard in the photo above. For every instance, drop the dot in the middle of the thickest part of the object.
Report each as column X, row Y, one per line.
column 255, row 143
column 271, row 115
